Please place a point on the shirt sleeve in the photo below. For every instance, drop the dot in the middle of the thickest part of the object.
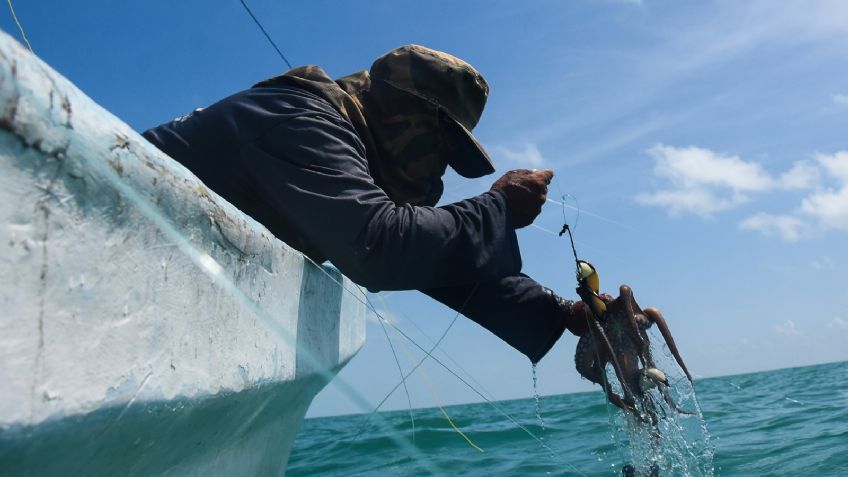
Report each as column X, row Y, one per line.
column 517, row 309
column 312, row 169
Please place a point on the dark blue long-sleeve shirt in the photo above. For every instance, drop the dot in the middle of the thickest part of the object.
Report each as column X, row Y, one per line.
column 288, row 159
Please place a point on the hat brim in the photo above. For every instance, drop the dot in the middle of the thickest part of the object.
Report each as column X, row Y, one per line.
column 469, row 158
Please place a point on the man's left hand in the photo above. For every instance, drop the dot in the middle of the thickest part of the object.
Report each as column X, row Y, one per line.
column 526, row 192
column 577, row 316
column 576, row 319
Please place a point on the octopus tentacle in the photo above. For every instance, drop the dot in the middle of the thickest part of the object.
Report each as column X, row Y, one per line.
column 618, row 400
column 600, row 336
column 655, row 316
column 601, row 339
column 585, row 360
column 626, row 296
column 670, row 402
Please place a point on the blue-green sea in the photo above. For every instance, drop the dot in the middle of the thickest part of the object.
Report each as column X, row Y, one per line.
column 789, row 422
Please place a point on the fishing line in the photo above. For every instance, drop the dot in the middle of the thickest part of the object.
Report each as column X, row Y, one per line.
column 427, row 381
column 563, row 196
column 209, row 266
column 427, row 354
column 580, row 210
column 543, row 229
column 600, row 217
column 566, row 228
column 21, row 28
column 256, row 20
column 429, row 384
column 432, row 390
column 400, row 371
column 491, row 403
column 445, row 353
column 381, row 319
column 653, row 404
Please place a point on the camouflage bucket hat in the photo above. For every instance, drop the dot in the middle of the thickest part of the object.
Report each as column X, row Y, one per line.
column 448, row 83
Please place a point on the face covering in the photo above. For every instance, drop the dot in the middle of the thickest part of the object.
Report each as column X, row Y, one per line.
column 404, row 135
column 412, row 145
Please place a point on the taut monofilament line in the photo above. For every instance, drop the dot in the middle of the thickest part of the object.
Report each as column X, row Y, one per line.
column 256, row 20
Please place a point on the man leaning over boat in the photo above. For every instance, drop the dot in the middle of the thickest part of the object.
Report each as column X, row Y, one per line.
column 351, row 170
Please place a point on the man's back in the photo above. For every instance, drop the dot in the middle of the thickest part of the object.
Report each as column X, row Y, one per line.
column 210, row 142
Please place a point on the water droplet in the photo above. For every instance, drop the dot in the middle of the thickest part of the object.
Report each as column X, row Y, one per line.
column 538, row 400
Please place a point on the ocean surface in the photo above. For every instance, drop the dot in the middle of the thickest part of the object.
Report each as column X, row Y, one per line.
column 789, row 422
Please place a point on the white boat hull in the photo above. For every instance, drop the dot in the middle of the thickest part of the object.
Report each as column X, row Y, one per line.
column 146, row 325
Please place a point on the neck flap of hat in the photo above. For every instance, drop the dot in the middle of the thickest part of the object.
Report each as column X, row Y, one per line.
column 404, row 185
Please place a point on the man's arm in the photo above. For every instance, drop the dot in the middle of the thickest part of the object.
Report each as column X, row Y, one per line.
column 312, row 169
column 528, row 316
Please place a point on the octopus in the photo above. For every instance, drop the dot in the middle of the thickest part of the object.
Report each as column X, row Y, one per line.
column 618, row 335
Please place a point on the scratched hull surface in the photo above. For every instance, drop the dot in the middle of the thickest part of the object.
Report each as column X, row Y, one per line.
column 789, row 422
column 148, row 327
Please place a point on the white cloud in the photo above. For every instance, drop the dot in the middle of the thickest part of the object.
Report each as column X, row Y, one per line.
column 529, row 156
column 803, row 175
column 787, row 227
column 825, row 207
column 840, row 99
column 838, row 323
column 695, row 166
column 703, row 182
column 787, row 328
column 836, row 165
column 829, row 206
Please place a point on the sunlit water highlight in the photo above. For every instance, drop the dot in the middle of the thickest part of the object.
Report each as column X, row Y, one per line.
column 791, row 422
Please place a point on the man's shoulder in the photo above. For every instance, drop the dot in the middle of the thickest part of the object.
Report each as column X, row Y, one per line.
column 289, row 117
column 282, row 99
column 251, row 113
column 291, row 114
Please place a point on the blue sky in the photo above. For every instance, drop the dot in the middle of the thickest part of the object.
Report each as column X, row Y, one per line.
column 704, row 142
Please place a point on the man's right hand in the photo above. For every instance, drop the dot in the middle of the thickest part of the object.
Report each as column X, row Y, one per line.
column 526, row 192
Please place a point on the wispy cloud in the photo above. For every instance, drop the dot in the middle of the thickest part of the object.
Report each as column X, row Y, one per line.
column 727, row 32
column 528, row 156
column 840, row 99
column 696, row 200
column 825, row 263
column 787, row 328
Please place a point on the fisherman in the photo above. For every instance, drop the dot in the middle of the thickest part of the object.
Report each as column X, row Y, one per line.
column 351, row 170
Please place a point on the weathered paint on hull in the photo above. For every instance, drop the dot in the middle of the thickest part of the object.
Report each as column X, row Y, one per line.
column 146, row 325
